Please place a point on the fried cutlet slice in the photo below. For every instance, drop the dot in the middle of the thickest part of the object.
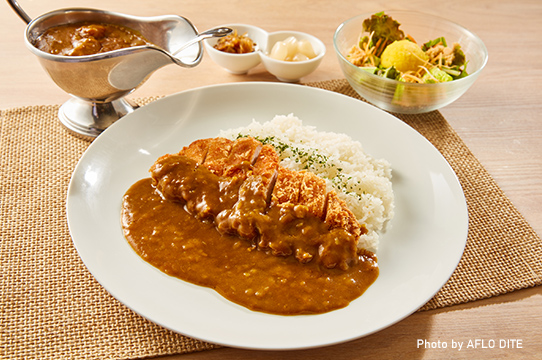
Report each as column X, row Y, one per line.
column 197, row 150
column 217, row 155
column 266, row 167
column 312, row 194
column 248, row 212
column 338, row 215
column 287, row 186
column 266, row 163
column 166, row 173
column 253, row 197
column 243, row 154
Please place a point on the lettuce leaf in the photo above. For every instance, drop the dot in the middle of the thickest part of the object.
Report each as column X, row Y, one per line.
column 385, row 30
column 428, row 45
column 459, row 56
column 437, row 75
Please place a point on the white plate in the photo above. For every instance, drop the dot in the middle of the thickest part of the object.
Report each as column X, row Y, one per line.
column 416, row 257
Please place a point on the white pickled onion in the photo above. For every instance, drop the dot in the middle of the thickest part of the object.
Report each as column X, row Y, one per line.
column 292, row 49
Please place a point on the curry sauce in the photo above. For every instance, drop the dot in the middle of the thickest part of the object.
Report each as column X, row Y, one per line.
column 225, row 214
column 168, row 237
column 86, row 38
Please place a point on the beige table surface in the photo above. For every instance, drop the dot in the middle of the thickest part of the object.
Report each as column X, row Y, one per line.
column 499, row 119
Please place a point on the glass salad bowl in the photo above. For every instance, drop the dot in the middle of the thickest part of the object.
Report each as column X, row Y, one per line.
column 410, row 97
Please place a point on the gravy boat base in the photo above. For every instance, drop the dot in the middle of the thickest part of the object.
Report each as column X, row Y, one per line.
column 87, row 119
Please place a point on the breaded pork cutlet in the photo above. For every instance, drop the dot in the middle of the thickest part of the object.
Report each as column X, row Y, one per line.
column 243, row 187
column 287, row 187
column 312, row 194
column 266, row 167
column 300, row 188
column 222, row 156
column 248, row 212
column 197, row 150
column 254, row 192
column 244, row 152
column 179, row 178
column 218, row 151
column 338, row 215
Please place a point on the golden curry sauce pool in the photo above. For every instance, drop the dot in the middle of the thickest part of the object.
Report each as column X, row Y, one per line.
column 224, row 214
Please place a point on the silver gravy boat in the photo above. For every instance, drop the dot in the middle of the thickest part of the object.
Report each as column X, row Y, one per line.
column 99, row 82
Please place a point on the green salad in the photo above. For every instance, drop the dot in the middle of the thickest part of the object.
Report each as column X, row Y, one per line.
column 386, row 51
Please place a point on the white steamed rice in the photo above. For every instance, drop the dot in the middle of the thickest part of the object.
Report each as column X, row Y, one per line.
column 363, row 182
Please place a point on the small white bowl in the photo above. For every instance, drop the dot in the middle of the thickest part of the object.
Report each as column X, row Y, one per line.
column 238, row 63
column 292, row 71
column 288, row 71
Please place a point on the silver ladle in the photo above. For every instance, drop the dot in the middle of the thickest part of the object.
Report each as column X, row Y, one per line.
column 217, row 32
column 98, row 83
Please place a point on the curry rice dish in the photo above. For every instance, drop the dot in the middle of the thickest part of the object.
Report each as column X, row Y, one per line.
column 225, row 214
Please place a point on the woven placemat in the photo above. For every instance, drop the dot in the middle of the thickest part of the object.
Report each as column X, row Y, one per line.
column 52, row 308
